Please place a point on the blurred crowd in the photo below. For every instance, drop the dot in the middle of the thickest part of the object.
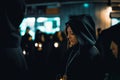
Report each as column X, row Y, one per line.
column 45, row 53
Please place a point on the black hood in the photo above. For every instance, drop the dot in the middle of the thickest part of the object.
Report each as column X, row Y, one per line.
column 83, row 27
column 11, row 16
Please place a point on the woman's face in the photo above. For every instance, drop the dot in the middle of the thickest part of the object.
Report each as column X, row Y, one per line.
column 71, row 37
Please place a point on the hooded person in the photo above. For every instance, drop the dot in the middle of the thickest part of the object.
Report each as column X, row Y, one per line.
column 108, row 44
column 12, row 61
column 82, row 57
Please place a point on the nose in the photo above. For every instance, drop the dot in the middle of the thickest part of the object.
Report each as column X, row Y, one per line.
column 68, row 36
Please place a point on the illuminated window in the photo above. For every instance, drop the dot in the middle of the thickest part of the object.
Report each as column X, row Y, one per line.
column 29, row 21
column 48, row 25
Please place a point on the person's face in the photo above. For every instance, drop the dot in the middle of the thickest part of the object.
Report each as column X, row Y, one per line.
column 71, row 37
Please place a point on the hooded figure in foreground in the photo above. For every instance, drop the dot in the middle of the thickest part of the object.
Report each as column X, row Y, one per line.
column 83, row 59
column 13, row 65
